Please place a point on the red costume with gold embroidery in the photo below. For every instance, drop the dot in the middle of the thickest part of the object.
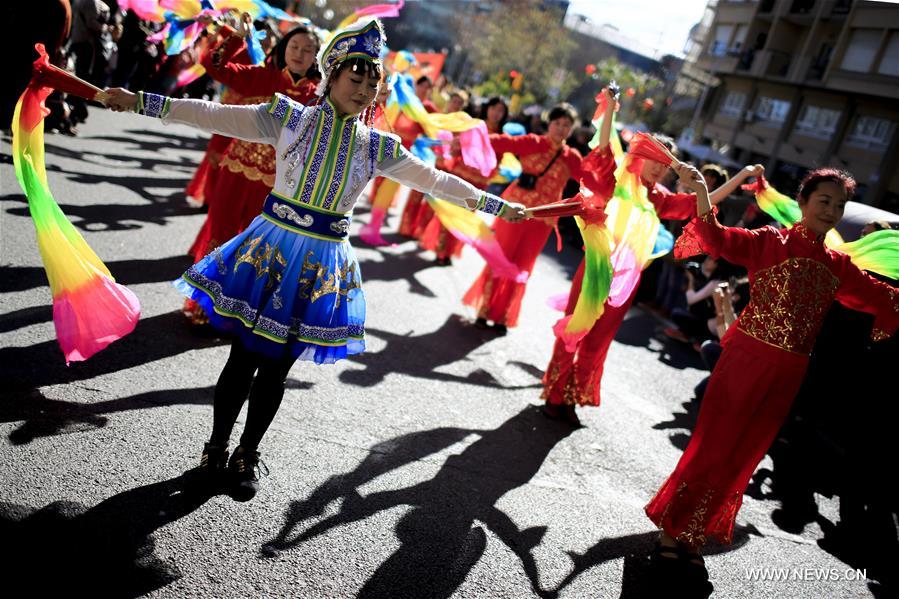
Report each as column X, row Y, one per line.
column 197, row 189
column 435, row 236
column 793, row 281
column 247, row 170
column 575, row 378
column 499, row 299
column 412, row 221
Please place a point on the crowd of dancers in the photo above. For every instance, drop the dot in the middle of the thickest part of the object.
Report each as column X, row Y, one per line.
column 299, row 139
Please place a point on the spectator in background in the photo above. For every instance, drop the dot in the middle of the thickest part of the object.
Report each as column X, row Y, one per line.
column 878, row 225
column 696, row 323
column 28, row 23
column 672, row 278
column 90, row 46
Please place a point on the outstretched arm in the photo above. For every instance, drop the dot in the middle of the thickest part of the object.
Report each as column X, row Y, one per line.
column 251, row 123
column 860, row 291
column 410, row 171
column 729, row 186
column 605, row 130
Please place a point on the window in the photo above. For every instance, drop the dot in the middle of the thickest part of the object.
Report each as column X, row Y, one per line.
column 818, row 122
column 861, row 51
column 772, row 110
column 889, row 64
column 739, row 37
column 733, row 104
column 871, row 132
column 722, row 40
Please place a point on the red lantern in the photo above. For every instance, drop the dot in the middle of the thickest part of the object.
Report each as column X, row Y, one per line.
column 590, row 69
column 648, row 104
column 514, row 74
column 630, row 92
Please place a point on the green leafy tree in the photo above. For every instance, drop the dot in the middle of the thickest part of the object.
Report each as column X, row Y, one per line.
column 522, row 35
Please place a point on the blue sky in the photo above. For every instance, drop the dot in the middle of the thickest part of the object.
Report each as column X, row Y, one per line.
column 659, row 24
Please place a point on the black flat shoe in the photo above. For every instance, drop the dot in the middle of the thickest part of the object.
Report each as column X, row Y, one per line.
column 210, row 473
column 244, row 469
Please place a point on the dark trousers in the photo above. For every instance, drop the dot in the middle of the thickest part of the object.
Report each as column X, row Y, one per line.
column 237, row 383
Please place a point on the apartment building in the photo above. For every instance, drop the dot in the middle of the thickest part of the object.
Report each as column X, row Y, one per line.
column 806, row 83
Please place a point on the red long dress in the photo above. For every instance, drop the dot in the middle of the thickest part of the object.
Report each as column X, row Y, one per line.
column 199, row 184
column 408, row 131
column 793, row 281
column 499, row 299
column 435, row 236
column 247, row 170
column 416, row 210
column 575, row 378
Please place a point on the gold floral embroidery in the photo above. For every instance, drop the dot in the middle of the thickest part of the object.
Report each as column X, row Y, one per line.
column 694, row 534
column 879, row 335
column 267, row 260
column 315, row 281
column 701, row 525
column 254, row 161
column 484, row 308
column 571, row 394
column 788, row 302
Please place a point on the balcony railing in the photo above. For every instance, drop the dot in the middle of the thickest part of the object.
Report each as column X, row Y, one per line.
column 747, row 56
column 802, row 6
column 779, row 63
column 817, row 69
column 841, row 7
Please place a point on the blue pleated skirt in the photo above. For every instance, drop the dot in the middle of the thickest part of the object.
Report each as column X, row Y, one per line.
column 283, row 292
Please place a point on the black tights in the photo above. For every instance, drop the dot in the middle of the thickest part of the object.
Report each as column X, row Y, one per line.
column 234, row 385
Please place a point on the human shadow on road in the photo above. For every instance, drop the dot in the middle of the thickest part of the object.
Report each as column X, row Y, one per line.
column 157, row 142
column 640, row 578
column 639, row 329
column 420, row 356
column 683, row 421
column 45, row 417
column 126, row 272
column 25, row 317
column 396, row 267
column 440, row 541
column 66, row 549
column 25, row 369
column 122, row 217
column 125, row 159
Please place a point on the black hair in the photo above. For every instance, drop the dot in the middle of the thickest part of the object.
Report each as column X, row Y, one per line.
column 822, row 175
column 358, row 65
column 562, row 110
column 668, row 143
column 718, row 173
column 276, row 56
column 491, row 103
column 423, row 79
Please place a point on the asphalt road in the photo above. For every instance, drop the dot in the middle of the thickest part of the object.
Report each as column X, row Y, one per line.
column 422, row 468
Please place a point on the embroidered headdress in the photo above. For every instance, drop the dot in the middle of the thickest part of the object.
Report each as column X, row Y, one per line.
column 363, row 39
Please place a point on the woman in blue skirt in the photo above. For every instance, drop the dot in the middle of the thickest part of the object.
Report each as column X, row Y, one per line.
column 289, row 286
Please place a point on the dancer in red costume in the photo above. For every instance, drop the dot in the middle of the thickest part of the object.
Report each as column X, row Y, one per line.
column 547, row 164
column 384, row 192
column 247, row 170
column 435, row 236
column 573, row 379
column 794, row 279
column 409, row 130
column 197, row 190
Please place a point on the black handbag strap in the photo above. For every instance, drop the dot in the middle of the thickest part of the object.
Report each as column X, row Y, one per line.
column 550, row 163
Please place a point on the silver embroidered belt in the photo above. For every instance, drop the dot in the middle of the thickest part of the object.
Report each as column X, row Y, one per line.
column 306, row 221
